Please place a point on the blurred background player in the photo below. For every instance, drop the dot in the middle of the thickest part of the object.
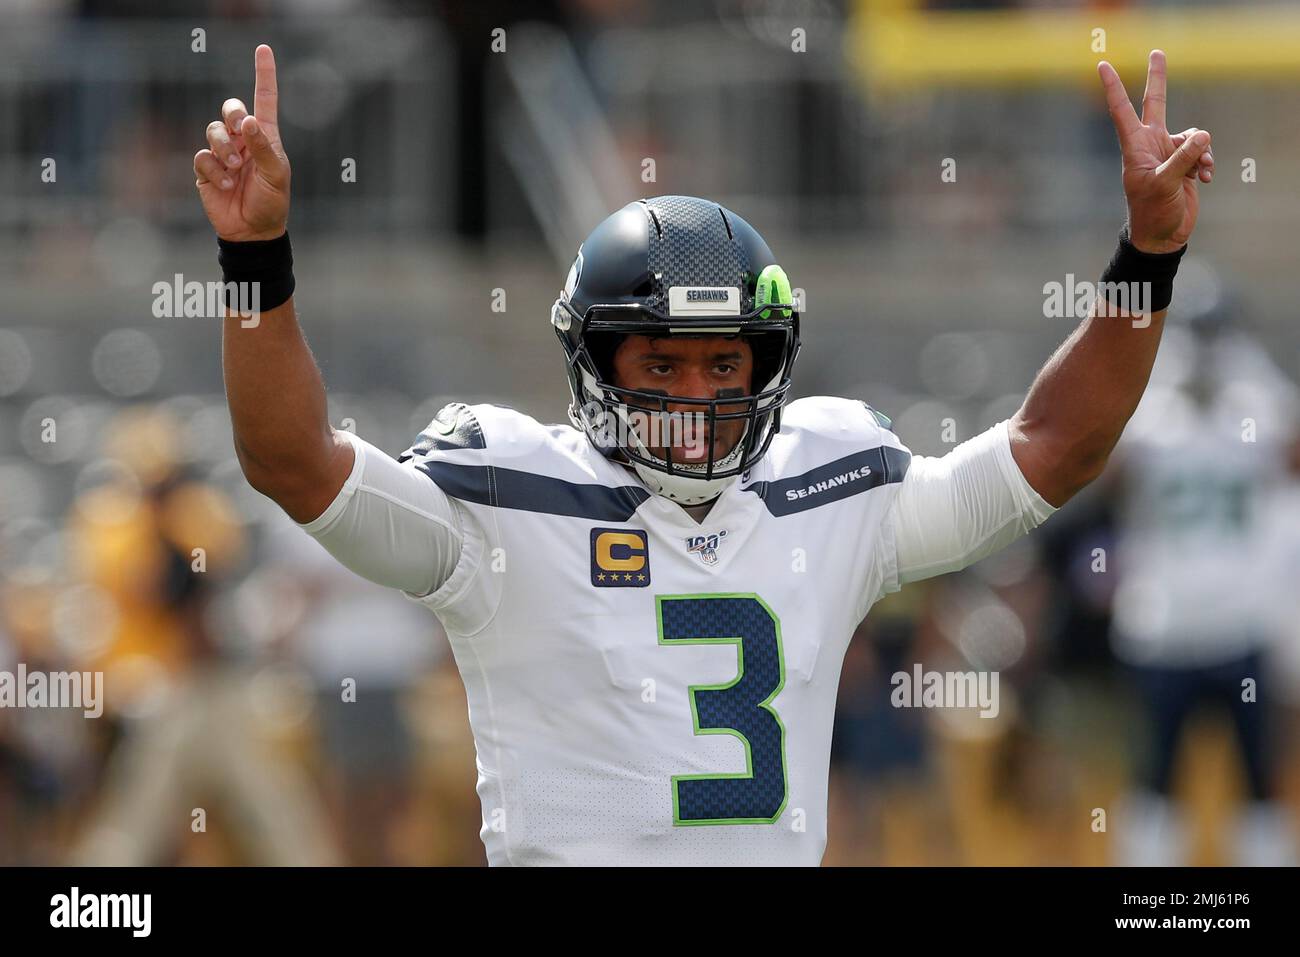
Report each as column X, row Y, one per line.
column 1194, row 607
column 159, row 547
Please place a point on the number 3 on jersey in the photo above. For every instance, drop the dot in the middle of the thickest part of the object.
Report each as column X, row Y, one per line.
column 742, row 708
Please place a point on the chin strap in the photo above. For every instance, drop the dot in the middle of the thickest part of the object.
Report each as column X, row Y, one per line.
column 684, row 489
column 694, row 492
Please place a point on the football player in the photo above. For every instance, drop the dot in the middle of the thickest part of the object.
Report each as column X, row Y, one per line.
column 649, row 607
column 1196, row 597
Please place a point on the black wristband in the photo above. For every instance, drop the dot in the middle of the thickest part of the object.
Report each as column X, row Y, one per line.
column 1135, row 269
column 266, row 262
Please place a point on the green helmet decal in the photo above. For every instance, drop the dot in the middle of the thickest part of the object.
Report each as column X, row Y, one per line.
column 773, row 287
column 884, row 420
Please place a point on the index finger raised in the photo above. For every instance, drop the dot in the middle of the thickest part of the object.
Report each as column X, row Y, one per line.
column 1121, row 110
column 266, row 99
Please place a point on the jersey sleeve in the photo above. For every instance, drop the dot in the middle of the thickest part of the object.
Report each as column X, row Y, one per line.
column 953, row 510
column 392, row 525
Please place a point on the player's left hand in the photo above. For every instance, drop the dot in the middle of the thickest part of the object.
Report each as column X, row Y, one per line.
column 1160, row 170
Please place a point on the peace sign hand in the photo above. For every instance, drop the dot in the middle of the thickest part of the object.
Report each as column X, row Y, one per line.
column 1160, row 171
column 243, row 175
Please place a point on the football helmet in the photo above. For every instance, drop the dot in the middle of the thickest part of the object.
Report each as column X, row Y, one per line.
column 675, row 266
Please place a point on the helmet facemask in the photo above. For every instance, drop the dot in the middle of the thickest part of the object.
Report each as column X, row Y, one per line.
column 661, row 435
column 668, row 267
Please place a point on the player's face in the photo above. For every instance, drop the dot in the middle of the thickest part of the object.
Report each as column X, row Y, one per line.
column 706, row 367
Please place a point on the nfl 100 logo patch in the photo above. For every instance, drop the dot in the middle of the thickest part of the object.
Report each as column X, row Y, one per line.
column 705, row 546
column 620, row 558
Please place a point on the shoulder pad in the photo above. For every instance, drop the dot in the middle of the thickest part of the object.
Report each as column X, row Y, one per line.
column 495, row 456
column 454, row 427
column 828, row 419
column 503, row 437
column 829, row 449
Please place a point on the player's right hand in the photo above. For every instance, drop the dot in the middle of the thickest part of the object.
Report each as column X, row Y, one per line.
column 243, row 175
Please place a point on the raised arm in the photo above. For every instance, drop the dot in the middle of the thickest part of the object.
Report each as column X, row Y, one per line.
column 283, row 438
column 1079, row 403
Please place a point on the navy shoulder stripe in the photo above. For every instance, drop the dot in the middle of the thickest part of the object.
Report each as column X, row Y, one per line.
column 510, row 488
column 850, row 475
column 454, row 427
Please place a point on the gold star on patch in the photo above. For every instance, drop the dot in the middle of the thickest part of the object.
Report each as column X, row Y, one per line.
column 640, row 578
column 600, row 577
column 627, row 577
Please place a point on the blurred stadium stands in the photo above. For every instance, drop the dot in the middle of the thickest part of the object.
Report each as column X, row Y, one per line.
column 478, row 172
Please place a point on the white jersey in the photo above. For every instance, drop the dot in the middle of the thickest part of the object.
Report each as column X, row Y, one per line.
column 643, row 688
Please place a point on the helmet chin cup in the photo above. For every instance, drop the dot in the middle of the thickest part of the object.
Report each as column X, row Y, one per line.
column 680, row 488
